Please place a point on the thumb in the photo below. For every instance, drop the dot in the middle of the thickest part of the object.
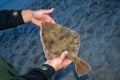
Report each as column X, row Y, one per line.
column 47, row 11
column 63, row 55
column 39, row 13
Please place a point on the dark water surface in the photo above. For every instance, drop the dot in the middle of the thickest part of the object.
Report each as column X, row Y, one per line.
column 97, row 22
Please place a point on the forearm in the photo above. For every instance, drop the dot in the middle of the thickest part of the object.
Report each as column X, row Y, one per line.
column 45, row 72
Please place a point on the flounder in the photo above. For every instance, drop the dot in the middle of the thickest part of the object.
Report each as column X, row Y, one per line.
column 55, row 39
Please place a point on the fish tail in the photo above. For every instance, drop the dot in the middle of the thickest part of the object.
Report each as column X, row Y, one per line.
column 81, row 66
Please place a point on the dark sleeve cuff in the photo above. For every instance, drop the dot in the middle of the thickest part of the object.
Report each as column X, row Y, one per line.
column 10, row 19
column 17, row 17
column 47, row 70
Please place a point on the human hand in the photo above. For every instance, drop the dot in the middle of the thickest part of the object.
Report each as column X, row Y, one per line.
column 41, row 16
column 60, row 62
column 37, row 17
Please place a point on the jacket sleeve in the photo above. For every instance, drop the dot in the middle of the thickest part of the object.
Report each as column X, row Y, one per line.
column 45, row 72
column 10, row 18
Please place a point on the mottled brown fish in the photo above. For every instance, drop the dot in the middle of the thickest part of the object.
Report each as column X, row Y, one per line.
column 55, row 39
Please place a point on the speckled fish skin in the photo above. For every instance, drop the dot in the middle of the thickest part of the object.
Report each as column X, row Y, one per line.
column 55, row 39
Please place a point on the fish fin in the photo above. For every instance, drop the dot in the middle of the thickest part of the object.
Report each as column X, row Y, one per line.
column 81, row 66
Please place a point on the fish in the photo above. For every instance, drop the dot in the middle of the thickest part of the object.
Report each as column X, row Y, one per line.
column 56, row 38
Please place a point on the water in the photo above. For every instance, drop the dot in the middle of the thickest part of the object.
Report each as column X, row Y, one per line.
column 97, row 22
column 3, row 1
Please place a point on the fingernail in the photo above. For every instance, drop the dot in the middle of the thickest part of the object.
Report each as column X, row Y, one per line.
column 66, row 52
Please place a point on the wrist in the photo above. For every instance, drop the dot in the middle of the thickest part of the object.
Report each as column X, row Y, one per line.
column 27, row 15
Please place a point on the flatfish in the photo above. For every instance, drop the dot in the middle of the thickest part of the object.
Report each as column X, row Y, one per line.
column 55, row 39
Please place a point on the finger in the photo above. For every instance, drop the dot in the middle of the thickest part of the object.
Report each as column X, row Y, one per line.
column 38, row 14
column 67, row 62
column 47, row 18
column 48, row 11
column 52, row 21
column 51, row 56
column 63, row 55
